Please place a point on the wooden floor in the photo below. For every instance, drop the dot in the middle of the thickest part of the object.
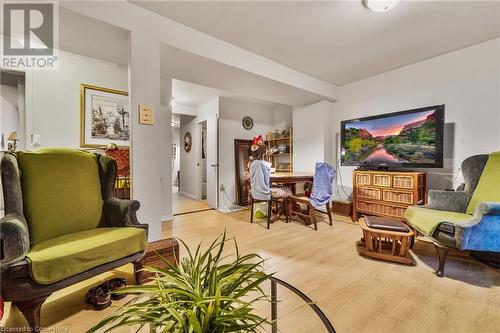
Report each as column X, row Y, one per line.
column 182, row 204
column 356, row 293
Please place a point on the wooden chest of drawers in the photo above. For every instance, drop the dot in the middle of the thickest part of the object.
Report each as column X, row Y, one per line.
column 386, row 193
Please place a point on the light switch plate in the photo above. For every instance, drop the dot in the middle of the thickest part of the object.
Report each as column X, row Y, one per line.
column 146, row 116
column 35, row 139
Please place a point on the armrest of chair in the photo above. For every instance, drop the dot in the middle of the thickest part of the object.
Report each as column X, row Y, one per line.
column 448, row 200
column 488, row 208
column 122, row 213
column 482, row 232
column 14, row 239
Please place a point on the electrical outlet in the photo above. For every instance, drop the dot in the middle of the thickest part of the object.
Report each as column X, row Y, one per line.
column 222, row 188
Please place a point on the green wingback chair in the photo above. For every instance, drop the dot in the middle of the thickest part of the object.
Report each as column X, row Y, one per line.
column 62, row 224
column 466, row 220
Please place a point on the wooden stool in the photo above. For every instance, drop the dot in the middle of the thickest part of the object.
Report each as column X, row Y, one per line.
column 386, row 244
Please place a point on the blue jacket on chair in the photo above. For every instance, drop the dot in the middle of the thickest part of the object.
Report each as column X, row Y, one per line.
column 322, row 191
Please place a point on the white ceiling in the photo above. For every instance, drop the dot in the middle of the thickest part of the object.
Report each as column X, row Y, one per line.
column 185, row 66
column 340, row 41
column 176, row 120
column 86, row 36
column 191, row 94
column 194, row 95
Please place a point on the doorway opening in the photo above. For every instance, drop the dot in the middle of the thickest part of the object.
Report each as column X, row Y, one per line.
column 189, row 164
column 12, row 115
column 203, row 158
column 12, row 112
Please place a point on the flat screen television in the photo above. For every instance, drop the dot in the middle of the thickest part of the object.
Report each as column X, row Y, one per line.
column 411, row 138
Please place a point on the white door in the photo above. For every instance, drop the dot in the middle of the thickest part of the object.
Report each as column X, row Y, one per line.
column 212, row 161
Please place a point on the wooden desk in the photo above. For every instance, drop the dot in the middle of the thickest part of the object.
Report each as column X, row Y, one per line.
column 291, row 177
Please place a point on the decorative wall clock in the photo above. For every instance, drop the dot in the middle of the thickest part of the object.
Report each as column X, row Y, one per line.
column 188, row 142
column 247, row 123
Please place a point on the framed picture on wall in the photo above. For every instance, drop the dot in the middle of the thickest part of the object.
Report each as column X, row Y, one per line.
column 104, row 117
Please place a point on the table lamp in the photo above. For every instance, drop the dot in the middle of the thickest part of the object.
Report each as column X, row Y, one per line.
column 11, row 147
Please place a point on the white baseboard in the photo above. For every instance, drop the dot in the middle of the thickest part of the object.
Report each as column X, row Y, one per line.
column 189, row 195
column 230, row 209
column 167, row 218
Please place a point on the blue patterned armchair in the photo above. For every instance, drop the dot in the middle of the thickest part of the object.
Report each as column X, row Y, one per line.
column 466, row 220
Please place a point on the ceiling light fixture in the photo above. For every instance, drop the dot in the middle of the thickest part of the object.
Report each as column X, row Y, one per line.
column 380, row 5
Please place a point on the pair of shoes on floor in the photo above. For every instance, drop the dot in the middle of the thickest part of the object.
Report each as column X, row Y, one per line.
column 100, row 296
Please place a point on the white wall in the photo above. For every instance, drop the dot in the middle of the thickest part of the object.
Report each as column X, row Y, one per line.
column 9, row 120
column 232, row 112
column 53, row 97
column 189, row 159
column 176, row 162
column 191, row 172
column 467, row 81
column 282, row 117
column 9, row 112
column 312, row 136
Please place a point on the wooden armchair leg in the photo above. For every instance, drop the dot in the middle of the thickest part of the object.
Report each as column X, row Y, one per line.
column 442, row 252
column 329, row 212
column 31, row 311
column 138, row 265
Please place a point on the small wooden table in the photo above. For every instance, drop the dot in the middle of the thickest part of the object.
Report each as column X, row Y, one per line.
column 386, row 244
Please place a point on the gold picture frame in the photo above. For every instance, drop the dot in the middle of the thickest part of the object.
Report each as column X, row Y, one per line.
column 104, row 117
column 188, row 142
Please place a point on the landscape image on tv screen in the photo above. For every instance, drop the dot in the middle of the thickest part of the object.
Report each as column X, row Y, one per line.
column 400, row 139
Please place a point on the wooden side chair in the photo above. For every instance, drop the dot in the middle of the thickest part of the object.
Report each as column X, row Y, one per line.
column 321, row 196
column 261, row 191
column 277, row 201
column 309, row 214
column 122, row 158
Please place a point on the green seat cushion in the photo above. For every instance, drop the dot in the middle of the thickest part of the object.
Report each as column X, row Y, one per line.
column 426, row 220
column 61, row 191
column 488, row 187
column 65, row 256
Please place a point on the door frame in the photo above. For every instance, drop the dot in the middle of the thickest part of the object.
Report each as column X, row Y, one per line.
column 199, row 162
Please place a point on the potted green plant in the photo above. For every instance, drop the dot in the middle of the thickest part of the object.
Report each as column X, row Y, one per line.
column 205, row 292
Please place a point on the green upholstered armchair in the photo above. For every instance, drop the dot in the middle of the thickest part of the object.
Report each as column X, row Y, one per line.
column 466, row 220
column 62, row 224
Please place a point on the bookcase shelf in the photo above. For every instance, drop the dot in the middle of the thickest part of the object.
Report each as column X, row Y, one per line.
column 282, row 162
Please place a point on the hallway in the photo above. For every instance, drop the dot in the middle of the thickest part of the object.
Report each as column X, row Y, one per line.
column 182, row 204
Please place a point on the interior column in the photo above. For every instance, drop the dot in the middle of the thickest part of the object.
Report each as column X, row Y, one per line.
column 148, row 146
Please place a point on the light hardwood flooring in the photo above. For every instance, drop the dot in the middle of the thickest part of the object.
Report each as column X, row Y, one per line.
column 356, row 293
column 182, row 204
